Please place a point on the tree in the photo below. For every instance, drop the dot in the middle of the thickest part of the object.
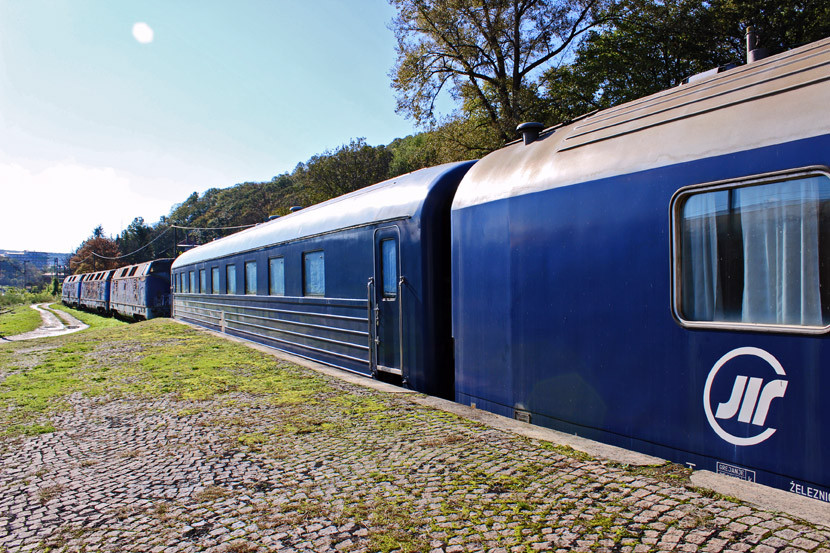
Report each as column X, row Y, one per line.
column 648, row 46
column 780, row 24
column 349, row 168
column 137, row 237
column 487, row 53
column 93, row 253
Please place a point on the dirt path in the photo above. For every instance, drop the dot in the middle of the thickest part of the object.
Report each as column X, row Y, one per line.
column 55, row 323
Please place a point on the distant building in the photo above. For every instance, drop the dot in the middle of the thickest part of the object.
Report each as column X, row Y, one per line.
column 44, row 261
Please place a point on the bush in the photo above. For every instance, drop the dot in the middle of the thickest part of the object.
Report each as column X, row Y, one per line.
column 19, row 296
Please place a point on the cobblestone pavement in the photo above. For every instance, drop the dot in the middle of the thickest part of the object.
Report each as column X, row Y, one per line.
column 352, row 470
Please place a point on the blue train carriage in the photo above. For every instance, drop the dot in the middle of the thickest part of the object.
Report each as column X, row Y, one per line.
column 142, row 291
column 360, row 282
column 657, row 275
column 71, row 291
column 95, row 291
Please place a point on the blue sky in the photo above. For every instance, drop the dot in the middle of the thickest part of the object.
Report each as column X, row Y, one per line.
column 98, row 128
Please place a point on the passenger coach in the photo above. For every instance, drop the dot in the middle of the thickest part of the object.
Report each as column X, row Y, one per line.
column 657, row 275
column 360, row 282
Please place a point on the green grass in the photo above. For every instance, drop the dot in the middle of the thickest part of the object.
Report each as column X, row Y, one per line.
column 146, row 359
column 91, row 319
column 18, row 319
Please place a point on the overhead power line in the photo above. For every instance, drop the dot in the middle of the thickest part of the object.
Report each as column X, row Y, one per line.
column 133, row 252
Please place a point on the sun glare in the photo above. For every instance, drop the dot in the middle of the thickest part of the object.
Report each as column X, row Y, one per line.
column 143, row 33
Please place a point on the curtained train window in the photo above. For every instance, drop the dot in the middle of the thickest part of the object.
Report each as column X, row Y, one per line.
column 755, row 255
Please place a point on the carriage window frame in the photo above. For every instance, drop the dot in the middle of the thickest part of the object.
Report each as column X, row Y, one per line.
column 389, row 267
column 310, row 288
column 230, row 279
column 214, row 280
column 676, row 205
column 250, row 278
column 276, row 277
column 203, row 281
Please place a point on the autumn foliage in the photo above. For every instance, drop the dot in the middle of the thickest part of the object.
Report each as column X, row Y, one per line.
column 86, row 259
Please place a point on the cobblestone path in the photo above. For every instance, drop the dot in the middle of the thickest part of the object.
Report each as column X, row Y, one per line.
column 351, row 470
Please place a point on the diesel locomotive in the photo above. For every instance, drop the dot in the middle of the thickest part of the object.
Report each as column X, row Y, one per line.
column 139, row 292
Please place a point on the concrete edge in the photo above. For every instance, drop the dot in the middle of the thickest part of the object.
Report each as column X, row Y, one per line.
column 594, row 449
column 764, row 497
column 811, row 510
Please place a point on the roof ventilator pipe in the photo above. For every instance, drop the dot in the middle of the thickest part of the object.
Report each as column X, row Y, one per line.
column 530, row 131
column 295, row 208
column 753, row 51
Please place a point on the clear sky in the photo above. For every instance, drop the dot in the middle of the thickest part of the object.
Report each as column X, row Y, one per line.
column 103, row 120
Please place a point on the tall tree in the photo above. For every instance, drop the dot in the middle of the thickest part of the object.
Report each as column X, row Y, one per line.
column 350, row 167
column 93, row 253
column 137, row 237
column 486, row 53
column 650, row 45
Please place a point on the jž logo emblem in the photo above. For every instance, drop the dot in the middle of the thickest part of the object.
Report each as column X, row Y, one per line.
column 750, row 398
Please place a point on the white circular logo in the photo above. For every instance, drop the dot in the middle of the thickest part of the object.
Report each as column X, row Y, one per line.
column 750, row 399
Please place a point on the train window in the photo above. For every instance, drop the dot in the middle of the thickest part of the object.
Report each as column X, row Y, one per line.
column 230, row 279
column 314, row 274
column 193, row 289
column 250, row 277
column 214, row 280
column 389, row 267
column 203, row 282
column 276, row 276
column 184, row 282
column 751, row 254
column 132, row 271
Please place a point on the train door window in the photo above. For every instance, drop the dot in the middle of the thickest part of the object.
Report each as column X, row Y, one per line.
column 250, row 277
column 276, row 276
column 230, row 279
column 389, row 267
column 193, row 289
column 314, row 274
column 749, row 254
column 203, row 281
column 214, row 280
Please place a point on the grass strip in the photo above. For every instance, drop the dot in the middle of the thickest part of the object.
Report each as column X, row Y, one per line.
column 146, row 359
column 92, row 319
column 18, row 319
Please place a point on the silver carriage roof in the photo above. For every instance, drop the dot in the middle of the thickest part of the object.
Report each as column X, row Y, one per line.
column 771, row 101
column 396, row 198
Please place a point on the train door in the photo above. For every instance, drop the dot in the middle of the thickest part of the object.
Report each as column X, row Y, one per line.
column 387, row 301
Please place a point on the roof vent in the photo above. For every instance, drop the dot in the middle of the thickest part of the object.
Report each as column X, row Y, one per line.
column 530, row 131
column 272, row 217
column 295, row 208
column 753, row 51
